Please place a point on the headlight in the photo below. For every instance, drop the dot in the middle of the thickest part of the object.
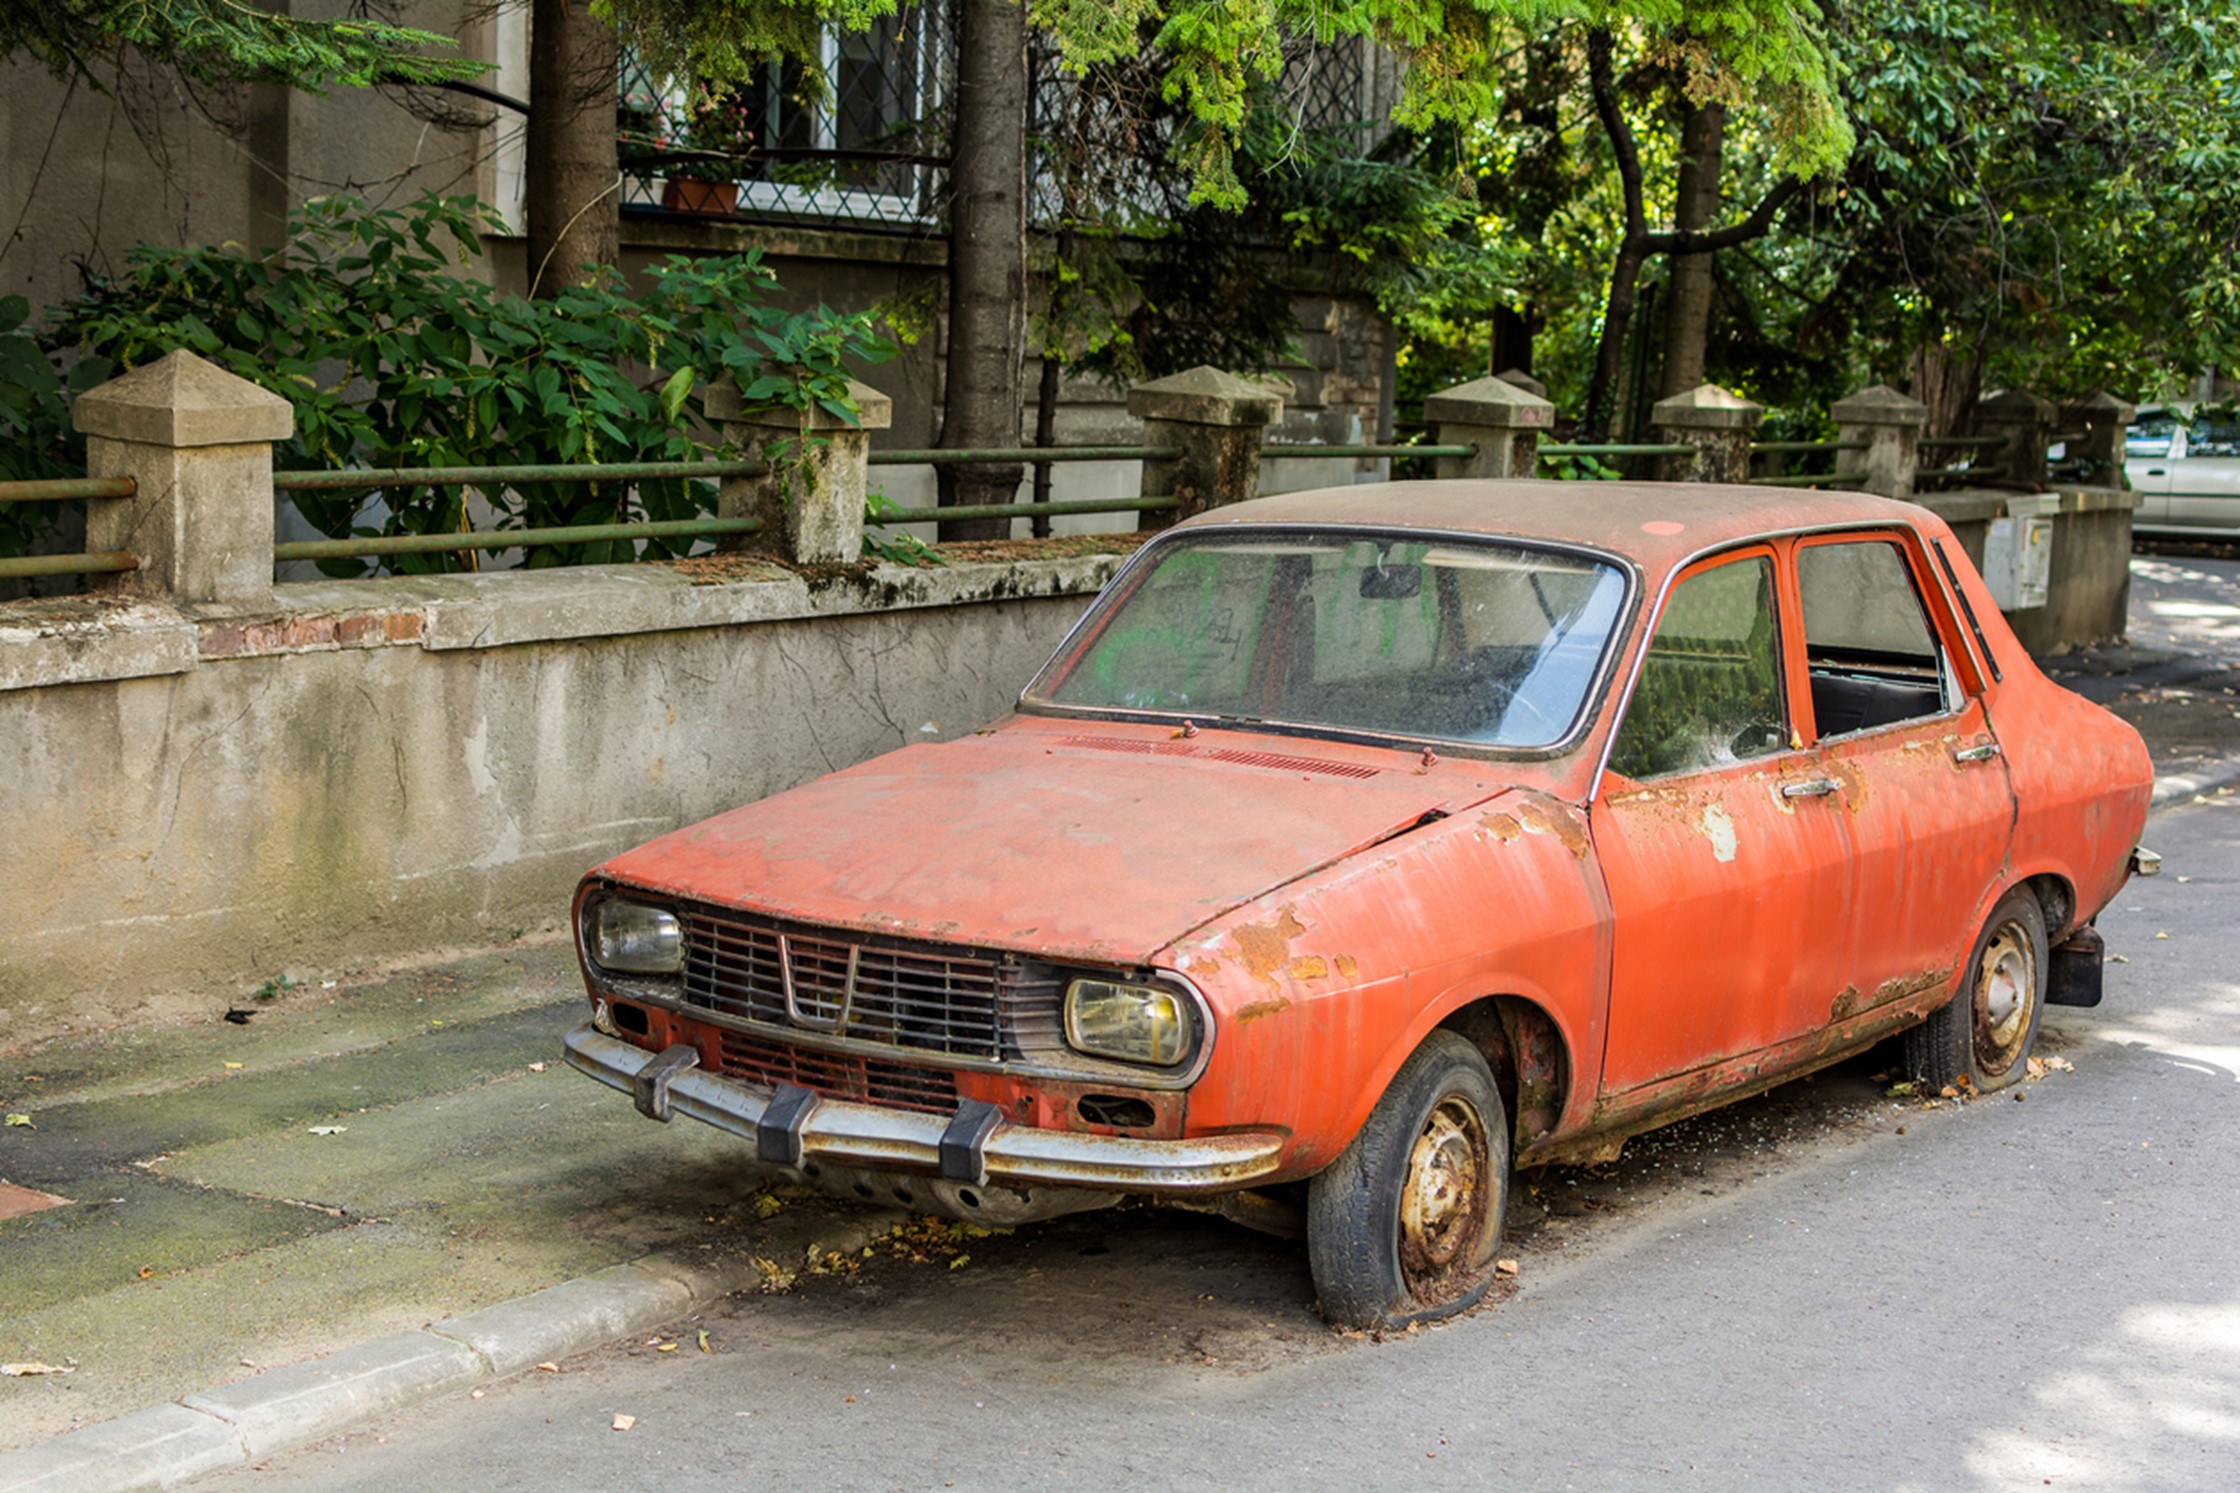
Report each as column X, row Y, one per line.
column 633, row 938
column 1134, row 1023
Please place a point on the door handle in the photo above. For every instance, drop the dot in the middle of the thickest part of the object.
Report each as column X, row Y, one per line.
column 1981, row 752
column 2157, row 472
column 1810, row 788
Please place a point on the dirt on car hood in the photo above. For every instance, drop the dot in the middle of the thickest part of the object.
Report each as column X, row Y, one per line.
column 1061, row 839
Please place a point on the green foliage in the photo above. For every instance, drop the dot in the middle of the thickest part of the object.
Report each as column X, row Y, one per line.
column 226, row 40
column 1219, row 53
column 36, row 439
column 394, row 359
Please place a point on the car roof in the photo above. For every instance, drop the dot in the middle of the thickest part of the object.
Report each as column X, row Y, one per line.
column 1660, row 524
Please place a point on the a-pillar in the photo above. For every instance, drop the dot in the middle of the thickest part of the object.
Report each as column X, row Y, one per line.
column 197, row 443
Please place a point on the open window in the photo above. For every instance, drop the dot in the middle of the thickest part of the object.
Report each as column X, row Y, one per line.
column 1873, row 658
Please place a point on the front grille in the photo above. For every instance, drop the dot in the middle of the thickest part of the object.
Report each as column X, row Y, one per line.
column 921, row 998
column 838, row 1075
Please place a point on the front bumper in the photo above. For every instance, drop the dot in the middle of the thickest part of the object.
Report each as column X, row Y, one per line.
column 976, row 1145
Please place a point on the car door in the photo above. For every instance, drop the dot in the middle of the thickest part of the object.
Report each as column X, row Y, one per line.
column 2205, row 484
column 2151, row 447
column 1724, row 879
column 1911, row 771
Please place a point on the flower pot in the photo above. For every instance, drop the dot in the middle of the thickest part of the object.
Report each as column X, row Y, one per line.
column 714, row 198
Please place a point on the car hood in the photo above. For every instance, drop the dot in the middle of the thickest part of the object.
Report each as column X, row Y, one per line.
column 1071, row 839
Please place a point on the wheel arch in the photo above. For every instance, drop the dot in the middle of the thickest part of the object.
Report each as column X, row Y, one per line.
column 1531, row 1061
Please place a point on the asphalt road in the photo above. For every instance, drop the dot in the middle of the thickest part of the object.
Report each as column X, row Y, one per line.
column 2043, row 1293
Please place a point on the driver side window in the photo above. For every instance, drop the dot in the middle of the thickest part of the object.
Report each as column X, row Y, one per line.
column 1710, row 686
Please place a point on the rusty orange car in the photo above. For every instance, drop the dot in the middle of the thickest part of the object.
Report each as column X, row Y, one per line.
column 1361, row 846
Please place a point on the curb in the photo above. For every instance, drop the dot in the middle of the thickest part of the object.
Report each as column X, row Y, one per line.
column 249, row 1419
column 2183, row 787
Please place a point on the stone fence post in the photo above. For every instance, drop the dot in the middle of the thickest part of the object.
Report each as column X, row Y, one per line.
column 1499, row 417
column 1219, row 421
column 811, row 500
column 1891, row 425
column 197, row 443
column 2025, row 423
column 1523, row 380
column 1717, row 424
column 2105, row 418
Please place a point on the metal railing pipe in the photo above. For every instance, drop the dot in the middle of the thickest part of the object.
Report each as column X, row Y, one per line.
column 1024, row 453
column 103, row 562
column 349, row 478
column 60, row 489
column 506, row 539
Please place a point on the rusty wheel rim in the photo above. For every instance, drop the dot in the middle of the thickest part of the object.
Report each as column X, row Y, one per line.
column 2005, row 999
column 1443, row 1198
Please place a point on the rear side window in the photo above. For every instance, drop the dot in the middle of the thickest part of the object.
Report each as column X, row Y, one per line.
column 1710, row 686
column 2214, row 433
column 1873, row 658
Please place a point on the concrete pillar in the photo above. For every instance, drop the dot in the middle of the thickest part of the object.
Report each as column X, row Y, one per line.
column 1891, row 425
column 811, row 500
column 1219, row 421
column 1523, row 380
column 1496, row 415
column 1717, row 424
column 2024, row 422
column 2104, row 418
column 197, row 443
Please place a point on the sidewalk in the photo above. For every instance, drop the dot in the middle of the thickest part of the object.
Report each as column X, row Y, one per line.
column 373, row 1169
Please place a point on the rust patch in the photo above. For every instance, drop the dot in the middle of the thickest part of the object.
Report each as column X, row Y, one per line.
column 1264, row 948
column 1309, row 967
column 1846, row 1002
column 1348, row 967
column 1504, row 826
column 1854, row 783
column 1259, row 1009
column 1553, row 818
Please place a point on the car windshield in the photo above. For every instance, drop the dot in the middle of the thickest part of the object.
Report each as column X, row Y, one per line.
column 1450, row 640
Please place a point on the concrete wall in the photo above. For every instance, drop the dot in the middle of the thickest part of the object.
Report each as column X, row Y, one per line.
column 2089, row 582
column 381, row 767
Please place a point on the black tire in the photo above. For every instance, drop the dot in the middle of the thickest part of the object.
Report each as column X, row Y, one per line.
column 1404, row 1226
column 1984, row 1035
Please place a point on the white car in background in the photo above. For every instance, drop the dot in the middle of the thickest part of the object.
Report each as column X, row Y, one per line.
column 2185, row 466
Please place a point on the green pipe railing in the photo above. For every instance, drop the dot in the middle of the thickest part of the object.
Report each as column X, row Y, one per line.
column 1962, row 442
column 1820, row 479
column 349, row 478
column 1302, row 448
column 1019, row 510
column 102, row 562
column 61, row 489
column 1601, row 448
column 1986, row 473
column 1800, row 446
column 506, row 539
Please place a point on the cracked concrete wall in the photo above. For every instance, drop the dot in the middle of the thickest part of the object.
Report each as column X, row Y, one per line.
column 199, row 832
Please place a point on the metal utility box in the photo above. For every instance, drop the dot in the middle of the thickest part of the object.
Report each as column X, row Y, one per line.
column 2018, row 552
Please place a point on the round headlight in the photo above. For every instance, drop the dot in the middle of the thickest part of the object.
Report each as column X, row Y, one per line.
column 1134, row 1023
column 632, row 938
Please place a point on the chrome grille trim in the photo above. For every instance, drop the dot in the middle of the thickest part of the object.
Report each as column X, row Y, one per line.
column 954, row 1003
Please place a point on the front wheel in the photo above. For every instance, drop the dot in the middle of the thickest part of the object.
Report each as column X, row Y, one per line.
column 1985, row 1033
column 1404, row 1225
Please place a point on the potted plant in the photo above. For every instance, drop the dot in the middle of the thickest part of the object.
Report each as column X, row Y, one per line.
column 711, row 151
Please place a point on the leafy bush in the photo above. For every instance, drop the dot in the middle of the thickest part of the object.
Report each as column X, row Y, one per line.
column 36, row 439
column 394, row 359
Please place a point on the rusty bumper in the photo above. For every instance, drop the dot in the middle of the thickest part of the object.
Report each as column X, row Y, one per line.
column 893, row 1140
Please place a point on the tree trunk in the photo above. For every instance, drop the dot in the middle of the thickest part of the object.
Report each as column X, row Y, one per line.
column 987, row 260
column 1948, row 386
column 1633, row 245
column 1687, row 306
column 572, row 172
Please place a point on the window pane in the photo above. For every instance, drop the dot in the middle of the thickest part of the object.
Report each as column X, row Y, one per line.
column 1480, row 643
column 1710, row 686
column 1873, row 658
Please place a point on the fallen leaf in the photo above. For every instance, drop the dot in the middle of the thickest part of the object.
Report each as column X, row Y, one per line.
column 2184, row 879
column 1504, row 1267
column 625, row 1422
column 2061, row 1065
column 2118, row 959
column 1899, row 1090
column 2162, row 935
column 328, row 1129
column 22, row 1122
column 147, row 1272
column 1948, row 1092
column 548, row 1368
column 476, row 1395
column 766, row 1206
column 536, row 1067
column 704, row 1341
column 25, row 1370
column 960, row 1262
column 664, row 1347
column 233, row 1065
column 2036, row 1068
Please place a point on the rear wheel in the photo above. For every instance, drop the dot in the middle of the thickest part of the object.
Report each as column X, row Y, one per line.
column 1404, row 1225
column 1985, row 1034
